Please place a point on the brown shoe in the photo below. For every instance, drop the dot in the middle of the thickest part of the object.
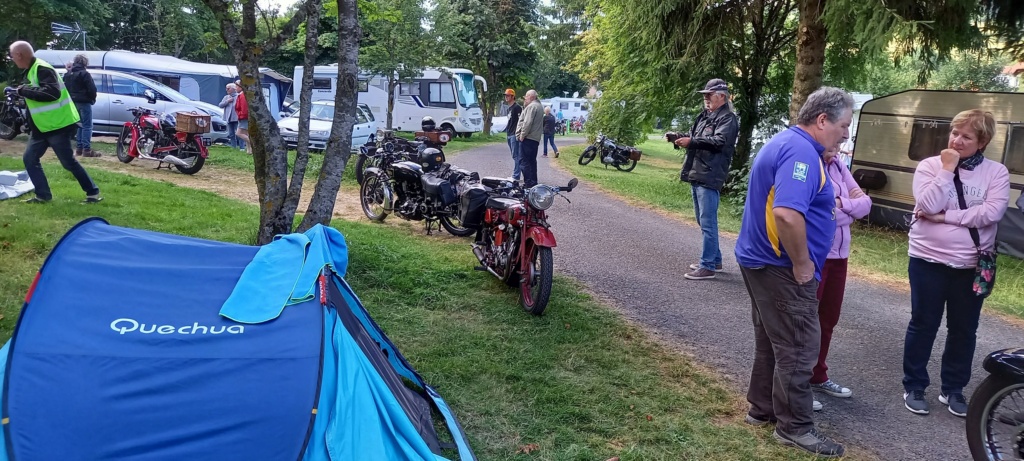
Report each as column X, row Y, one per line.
column 700, row 274
column 78, row 152
column 91, row 153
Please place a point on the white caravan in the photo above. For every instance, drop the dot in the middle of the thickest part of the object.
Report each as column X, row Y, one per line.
column 448, row 95
column 570, row 107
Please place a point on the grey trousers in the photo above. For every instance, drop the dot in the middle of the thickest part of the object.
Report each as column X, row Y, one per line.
column 786, row 340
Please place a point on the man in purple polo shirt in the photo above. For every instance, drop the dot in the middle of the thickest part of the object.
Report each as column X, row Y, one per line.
column 787, row 230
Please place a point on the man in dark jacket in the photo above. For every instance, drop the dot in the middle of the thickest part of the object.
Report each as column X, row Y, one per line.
column 514, row 111
column 52, row 121
column 709, row 146
column 82, row 89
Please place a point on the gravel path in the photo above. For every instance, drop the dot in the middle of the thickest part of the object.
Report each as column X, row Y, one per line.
column 636, row 259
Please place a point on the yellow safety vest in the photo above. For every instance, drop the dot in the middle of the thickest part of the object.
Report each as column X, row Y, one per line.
column 54, row 115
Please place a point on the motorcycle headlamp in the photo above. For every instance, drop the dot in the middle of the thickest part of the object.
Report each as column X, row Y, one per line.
column 541, row 196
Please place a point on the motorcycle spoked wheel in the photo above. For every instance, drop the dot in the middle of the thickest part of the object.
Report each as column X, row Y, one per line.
column 535, row 286
column 588, row 155
column 626, row 166
column 364, row 162
column 453, row 224
column 374, row 195
column 995, row 419
column 124, row 142
column 189, row 152
column 9, row 126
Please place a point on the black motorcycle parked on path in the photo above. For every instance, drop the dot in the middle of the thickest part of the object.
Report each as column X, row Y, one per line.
column 414, row 186
column 622, row 157
column 12, row 116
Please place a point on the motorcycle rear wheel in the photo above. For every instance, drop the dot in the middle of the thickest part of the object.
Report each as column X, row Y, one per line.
column 374, row 196
column 362, row 163
column 627, row 166
column 194, row 157
column 535, row 286
column 453, row 225
column 992, row 428
column 9, row 126
column 124, row 142
column 588, row 155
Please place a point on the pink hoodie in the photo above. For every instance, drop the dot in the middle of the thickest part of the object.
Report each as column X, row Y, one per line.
column 986, row 192
column 851, row 210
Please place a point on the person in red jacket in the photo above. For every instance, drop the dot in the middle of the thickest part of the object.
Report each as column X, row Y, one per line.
column 242, row 109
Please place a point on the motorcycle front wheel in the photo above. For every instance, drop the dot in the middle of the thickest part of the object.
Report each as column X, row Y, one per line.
column 588, row 155
column 124, row 142
column 995, row 419
column 626, row 166
column 362, row 163
column 189, row 152
column 375, row 196
column 535, row 286
column 9, row 126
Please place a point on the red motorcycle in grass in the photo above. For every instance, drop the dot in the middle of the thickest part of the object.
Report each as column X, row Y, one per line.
column 154, row 136
column 515, row 240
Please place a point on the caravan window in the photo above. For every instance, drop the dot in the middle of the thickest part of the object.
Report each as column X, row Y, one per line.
column 563, row 106
column 1013, row 156
column 586, row 107
column 321, row 84
column 409, row 89
column 928, row 138
column 442, row 93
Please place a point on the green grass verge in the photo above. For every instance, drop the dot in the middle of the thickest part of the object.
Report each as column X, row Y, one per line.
column 579, row 383
column 876, row 253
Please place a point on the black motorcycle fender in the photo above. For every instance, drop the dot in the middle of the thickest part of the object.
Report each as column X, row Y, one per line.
column 1007, row 362
column 372, row 171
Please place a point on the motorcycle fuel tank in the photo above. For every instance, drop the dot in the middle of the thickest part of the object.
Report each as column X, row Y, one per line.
column 407, row 171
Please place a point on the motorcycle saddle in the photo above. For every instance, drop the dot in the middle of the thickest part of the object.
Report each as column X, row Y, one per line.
column 502, row 203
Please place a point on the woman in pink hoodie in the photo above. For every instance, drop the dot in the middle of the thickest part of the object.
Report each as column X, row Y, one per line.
column 943, row 256
column 851, row 205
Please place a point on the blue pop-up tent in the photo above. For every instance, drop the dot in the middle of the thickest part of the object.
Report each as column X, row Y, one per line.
column 139, row 345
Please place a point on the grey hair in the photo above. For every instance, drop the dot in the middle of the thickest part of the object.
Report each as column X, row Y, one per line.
column 81, row 59
column 826, row 100
column 728, row 101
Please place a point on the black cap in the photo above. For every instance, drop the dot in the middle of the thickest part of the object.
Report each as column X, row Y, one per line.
column 715, row 84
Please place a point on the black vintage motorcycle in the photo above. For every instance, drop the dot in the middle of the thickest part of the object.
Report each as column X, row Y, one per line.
column 12, row 116
column 995, row 414
column 622, row 157
column 430, row 137
column 414, row 186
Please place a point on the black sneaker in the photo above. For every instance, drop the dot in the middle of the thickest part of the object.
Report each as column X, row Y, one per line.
column 811, row 442
column 956, row 402
column 914, row 401
column 93, row 199
column 36, row 199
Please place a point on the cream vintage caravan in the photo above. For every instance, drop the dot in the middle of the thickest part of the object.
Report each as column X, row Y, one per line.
column 895, row 132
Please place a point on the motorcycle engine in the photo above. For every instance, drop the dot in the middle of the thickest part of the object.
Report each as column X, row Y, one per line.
column 410, row 201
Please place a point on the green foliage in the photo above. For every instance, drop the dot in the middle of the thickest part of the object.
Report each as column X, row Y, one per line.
column 971, row 72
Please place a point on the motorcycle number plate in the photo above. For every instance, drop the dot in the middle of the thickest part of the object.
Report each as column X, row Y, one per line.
column 207, row 141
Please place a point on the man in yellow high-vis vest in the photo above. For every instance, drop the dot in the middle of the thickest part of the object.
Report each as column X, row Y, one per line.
column 53, row 122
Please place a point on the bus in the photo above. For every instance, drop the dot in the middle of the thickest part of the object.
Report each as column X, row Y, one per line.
column 448, row 95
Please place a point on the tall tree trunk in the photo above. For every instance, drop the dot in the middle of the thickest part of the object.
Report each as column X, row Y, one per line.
column 392, row 84
column 750, row 116
column 810, row 54
column 321, row 207
column 291, row 203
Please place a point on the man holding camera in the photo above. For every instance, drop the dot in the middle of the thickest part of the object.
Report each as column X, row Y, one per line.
column 709, row 146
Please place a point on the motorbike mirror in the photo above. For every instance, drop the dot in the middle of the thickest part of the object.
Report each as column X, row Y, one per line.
column 150, row 96
column 572, row 184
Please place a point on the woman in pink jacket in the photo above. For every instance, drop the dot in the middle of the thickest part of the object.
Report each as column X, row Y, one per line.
column 851, row 205
column 943, row 256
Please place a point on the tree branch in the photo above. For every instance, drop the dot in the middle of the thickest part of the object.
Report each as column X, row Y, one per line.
column 289, row 30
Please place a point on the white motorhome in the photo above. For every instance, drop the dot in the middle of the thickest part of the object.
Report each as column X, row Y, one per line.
column 570, row 107
column 447, row 95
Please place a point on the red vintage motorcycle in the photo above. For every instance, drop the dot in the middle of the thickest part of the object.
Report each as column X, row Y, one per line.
column 515, row 240
column 154, row 136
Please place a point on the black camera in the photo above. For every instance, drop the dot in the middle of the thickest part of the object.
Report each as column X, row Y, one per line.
column 673, row 136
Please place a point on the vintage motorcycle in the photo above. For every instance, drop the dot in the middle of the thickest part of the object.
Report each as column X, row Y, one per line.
column 154, row 136
column 515, row 240
column 428, row 138
column 415, row 186
column 995, row 414
column 12, row 115
column 622, row 157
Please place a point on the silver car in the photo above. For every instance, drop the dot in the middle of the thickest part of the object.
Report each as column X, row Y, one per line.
column 321, row 118
column 116, row 92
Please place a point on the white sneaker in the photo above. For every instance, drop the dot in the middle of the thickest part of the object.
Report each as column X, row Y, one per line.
column 816, row 406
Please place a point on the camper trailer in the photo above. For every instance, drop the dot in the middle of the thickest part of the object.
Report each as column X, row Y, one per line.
column 449, row 96
column 570, row 107
column 197, row 81
column 895, row 132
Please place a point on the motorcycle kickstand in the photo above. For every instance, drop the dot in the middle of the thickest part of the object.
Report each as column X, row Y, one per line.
column 429, row 223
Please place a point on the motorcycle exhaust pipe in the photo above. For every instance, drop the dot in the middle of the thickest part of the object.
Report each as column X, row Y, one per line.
column 174, row 160
column 479, row 252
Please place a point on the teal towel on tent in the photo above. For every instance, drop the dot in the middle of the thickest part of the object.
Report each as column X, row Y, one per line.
column 285, row 272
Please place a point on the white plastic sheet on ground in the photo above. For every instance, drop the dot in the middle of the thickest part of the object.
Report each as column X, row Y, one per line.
column 14, row 184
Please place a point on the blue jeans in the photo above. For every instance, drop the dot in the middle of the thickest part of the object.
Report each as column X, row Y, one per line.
column 233, row 140
column 60, row 141
column 935, row 288
column 84, row 138
column 549, row 138
column 705, row 206
column 513, row 145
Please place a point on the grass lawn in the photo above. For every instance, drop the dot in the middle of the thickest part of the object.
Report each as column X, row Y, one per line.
column 577, row 384
column 875, row 253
